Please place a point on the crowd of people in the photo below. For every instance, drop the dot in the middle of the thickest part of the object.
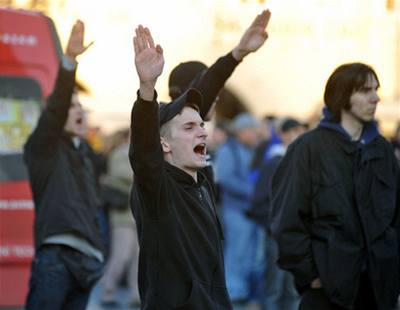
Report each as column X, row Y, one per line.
column 272, row 212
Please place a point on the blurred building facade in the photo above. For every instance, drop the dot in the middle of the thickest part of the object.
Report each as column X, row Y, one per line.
column 308, row 39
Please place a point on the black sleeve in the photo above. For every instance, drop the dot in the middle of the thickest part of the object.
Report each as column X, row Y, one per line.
column 145, row 152
column 213, row 79
column 259, row 154
column 51, row 123
column 291, row 214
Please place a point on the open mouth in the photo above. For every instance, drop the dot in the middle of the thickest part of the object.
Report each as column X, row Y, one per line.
column 79, row 121
column 200, row 149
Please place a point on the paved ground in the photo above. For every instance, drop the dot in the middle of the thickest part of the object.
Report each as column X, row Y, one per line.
column 94, row 303
column 122, row 297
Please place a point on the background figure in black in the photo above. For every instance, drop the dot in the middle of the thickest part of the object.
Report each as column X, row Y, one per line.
column 336, row 202
column 279, row 292
column 269, row 138
column 68, row 258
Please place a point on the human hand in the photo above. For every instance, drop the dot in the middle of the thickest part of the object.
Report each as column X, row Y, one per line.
column 316, row 283
column 254, row 37
column 75, row 45
column 149, row 59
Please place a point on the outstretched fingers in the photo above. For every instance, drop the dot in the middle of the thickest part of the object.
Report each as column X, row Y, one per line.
column 261, row 19
column 265, row 17
column 78, row 29
column 143, row 39
column 139, row 40
column 149, row 37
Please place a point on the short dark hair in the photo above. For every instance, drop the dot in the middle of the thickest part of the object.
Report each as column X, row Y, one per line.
column 343, row 82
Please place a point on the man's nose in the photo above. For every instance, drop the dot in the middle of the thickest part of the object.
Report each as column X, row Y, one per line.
column 203, row 132
column 376, row 97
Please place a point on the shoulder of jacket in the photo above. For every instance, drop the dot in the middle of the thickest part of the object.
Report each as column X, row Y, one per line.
column 308, row 139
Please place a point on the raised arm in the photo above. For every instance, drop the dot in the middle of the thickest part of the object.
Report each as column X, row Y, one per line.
column 53, row 118
column 211, row 81
column 145, row 151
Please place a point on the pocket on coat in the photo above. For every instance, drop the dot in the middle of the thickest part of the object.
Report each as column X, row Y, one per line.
column 384, row 194
column 326, row 200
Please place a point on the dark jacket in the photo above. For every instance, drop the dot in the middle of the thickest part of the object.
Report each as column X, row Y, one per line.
column 61, row 176
column 336, row 214
column 261, row 201
column 181, row 262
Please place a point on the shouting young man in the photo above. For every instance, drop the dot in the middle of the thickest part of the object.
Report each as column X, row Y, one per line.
column 181, row 261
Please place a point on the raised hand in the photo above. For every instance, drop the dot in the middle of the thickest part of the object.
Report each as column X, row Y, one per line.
column 254, row 37
column 149, row 59
column 75, row 45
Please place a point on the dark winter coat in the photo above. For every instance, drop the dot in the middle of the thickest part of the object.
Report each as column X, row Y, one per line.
column 336, row 214
column 61, row 176
column 181, row 261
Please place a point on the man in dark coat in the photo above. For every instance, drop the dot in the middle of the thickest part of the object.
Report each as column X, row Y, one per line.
column 181, row 261
column 336, row 200
column 68, row 258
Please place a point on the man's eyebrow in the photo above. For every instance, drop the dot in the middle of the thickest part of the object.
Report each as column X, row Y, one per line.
column 192, row 123
column 368, row 87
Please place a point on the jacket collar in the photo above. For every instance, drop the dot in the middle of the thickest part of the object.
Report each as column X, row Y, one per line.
column 368, row 142
column 184, row 178
column 369, row 133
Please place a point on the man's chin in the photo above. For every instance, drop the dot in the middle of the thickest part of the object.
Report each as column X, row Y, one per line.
column 75, row 133
column 202, row 164
column 199, row 165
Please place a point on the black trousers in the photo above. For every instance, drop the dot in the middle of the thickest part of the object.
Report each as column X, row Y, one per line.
column 316, row 299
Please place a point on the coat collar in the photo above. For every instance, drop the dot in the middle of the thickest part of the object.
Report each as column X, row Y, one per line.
column 184, row 178
column 373, row 150
column 370, row 130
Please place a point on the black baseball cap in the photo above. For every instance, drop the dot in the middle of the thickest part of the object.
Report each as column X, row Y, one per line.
column 290, row 123
column 184, row 76
column 169, row 110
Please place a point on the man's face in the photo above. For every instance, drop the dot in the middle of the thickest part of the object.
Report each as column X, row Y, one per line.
column 292, row 134
column 249, row 136
column 363, row 102
column 76, row 123
column 186, row 141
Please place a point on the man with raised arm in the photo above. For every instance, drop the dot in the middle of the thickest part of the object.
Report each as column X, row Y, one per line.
column 209, row 81
column 68, row 258
column 181, row 261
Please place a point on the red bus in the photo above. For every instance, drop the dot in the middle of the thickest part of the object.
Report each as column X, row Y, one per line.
column 30, row 53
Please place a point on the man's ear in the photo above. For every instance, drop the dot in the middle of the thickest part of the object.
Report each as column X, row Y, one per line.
column 165, row 145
